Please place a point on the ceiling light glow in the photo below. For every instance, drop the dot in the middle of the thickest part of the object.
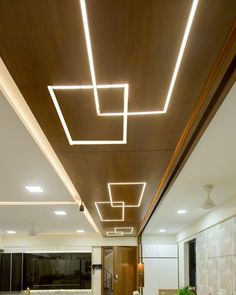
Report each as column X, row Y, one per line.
column 11, row 232
column 110, row 184
column 79, row 87
column 121, row 205
column 94, row 85
column 114, row 234
column 60, row 213
column 124, row 230
column 80, row 231
column 34, row 189
column 120, row 231
column 89, row 52
column 174, row 75
column 162, row 230
column 175, row 72
column 181, row 53
column 182, row 211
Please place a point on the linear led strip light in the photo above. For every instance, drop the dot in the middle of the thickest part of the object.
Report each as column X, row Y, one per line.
column 121, row 205
column 120, row 231
column 81, row 87
column 174, row 75
column 110, row 184
column 114, row 234
column 95, row 87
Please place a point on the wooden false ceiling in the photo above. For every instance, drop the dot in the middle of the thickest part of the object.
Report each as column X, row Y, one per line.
column 134, row 42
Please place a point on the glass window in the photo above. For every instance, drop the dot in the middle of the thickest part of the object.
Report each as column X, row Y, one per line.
column 57, row 271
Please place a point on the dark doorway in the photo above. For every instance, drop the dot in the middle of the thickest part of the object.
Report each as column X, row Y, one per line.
column 192, row 264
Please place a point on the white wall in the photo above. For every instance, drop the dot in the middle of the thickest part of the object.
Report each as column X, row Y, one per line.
column 96, row 277
column 158, row 239
column 160, row 268
column 19, row 243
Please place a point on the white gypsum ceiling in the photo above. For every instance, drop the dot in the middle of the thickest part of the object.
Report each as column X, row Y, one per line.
column 43, row 219
column 213, row 161
column 23, row 164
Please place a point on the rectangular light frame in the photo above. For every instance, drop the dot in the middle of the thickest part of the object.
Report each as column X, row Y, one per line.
column 79, row 87
column 109, row 220
column 174, row 75
column 126, row 183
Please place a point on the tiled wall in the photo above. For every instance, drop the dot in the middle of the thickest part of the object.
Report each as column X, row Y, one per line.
column 216, row 259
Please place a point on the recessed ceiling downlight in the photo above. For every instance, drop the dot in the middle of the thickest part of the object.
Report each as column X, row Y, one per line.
column 11, row 232
column 182, row 211
column 34, row 189
column 80, row 231
column 60, row 213
column 162, row 230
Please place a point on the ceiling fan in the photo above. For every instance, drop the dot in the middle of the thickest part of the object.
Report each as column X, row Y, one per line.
column 209, row 203
column 32, row 231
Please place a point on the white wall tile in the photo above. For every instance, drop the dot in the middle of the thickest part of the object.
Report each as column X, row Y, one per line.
column 212, row 277
column 202, row 277
column 211, row 242
column 224, row 271
column 202, row 239
column 223, row 238
column 216, row 264
column 234, row 274
column 234, row 235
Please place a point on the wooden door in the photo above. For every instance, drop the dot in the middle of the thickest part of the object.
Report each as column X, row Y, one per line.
column 125, row 270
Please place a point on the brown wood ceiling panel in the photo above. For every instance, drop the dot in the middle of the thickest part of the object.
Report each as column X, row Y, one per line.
column 132, row 193
column 135, row 42
column 84, row 124
column 140, row 42
column 91, row 171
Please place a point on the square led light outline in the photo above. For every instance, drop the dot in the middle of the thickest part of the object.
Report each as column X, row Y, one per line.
column 91, row 142
column 126, row 183
column 114, row 234
column 120, row 229
column 174, row 75
column 94, row 85
column 100, row 215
